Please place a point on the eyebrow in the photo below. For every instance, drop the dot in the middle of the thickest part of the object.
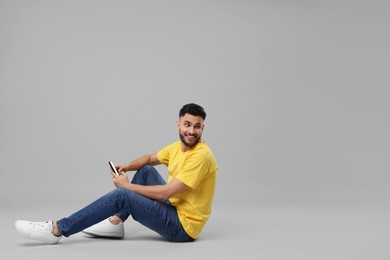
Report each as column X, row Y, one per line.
column 191, row 122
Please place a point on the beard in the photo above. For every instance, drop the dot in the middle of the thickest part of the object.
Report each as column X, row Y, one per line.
column 188, row 144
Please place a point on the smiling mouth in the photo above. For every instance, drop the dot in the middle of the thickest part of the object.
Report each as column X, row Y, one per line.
column 191, row 137
column 189, row 140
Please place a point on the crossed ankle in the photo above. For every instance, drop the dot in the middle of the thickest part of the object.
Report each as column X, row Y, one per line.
column 56, row 231
column 115, row 220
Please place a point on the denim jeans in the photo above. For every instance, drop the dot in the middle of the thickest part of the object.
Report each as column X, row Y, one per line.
column 158, row 215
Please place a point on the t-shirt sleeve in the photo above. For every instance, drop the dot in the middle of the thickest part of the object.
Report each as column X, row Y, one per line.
column 163, row 155
column 194, row 170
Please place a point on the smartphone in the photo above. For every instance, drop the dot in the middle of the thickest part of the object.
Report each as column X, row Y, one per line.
column 113, row 168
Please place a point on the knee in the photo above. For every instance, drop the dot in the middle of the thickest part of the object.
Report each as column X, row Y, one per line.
column 122, row 195
column 119, row 192
column 145, row 169
column 142, row 174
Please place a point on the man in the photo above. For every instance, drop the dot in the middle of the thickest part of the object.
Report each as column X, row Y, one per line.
column 177, row 210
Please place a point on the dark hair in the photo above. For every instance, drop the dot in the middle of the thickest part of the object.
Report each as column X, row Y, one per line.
column 192, row 109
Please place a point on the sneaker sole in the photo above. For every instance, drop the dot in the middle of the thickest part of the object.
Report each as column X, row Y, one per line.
column 103, row 235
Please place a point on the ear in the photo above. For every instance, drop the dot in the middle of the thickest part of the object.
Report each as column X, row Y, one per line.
column 178, row 125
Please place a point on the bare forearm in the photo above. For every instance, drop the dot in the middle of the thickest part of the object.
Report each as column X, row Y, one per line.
column 149, row 159
column 157, row 192
column 138, row 163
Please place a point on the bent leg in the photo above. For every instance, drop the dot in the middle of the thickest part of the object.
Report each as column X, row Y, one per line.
column 148, row 175
column 159, row 216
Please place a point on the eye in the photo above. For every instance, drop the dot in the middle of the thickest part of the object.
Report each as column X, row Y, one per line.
column 197, row 126
column 186, row 124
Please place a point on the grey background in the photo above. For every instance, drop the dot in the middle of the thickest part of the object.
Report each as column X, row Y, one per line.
column 296, row 94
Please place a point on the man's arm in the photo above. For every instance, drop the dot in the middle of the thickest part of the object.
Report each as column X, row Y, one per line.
column 149, row 159
column 157, row 192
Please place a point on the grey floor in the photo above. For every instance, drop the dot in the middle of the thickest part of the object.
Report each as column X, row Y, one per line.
column 262, row 232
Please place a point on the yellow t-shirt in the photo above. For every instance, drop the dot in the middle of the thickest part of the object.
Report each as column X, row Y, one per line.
column 197, row 168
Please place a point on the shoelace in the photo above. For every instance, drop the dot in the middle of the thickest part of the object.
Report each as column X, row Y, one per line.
column 41, row 226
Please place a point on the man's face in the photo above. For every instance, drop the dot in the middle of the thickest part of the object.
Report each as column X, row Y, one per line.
column 190, row 130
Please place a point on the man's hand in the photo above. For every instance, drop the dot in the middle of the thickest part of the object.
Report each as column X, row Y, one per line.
column 122, row 168
column 120, row 181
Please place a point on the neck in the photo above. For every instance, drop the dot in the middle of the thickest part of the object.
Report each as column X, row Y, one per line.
column 185, row 148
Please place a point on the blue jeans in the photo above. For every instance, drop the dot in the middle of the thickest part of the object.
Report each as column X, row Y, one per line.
column 158, row 215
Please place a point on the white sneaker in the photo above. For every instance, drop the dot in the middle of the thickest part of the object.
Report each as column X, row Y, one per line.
column 106, row 229
column 41, row 231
